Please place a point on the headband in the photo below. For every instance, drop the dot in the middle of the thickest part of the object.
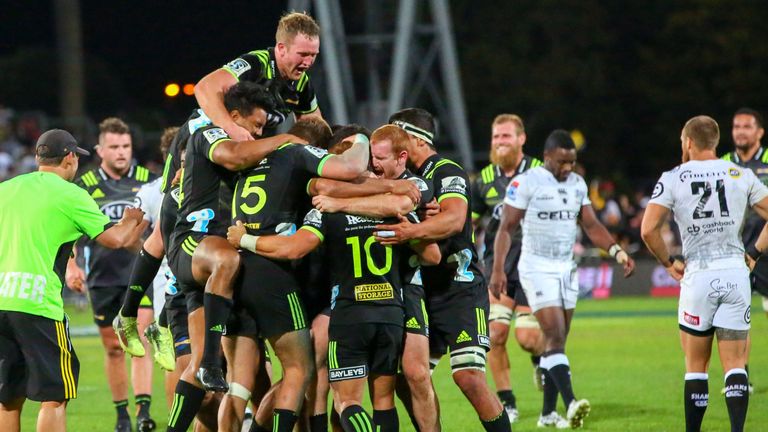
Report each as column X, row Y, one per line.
column 415, row 131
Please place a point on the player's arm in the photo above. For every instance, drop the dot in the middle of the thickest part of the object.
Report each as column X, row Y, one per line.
column 239, row 155
column 478, row 204
column 315, row 113
column 603, row 239
column 428, row 252
column 290, row 247
column 377, row 206
column 154, row 243
column 209, row 93
column 450, row 221
column 510, row 221
column 363, row 186
column 650, row 230
column 350, row 164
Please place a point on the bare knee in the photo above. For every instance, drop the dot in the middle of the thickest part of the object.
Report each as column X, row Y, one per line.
column 416, row 373
column 469, row 380
column 528, row 339
column 499, row 334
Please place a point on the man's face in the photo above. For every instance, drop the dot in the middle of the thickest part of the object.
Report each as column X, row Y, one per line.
column 253, row 123
column 115, row 151
column 296, row 57
column 387, row 164
column 560, row 162
column 746, row 133
column 506, row 142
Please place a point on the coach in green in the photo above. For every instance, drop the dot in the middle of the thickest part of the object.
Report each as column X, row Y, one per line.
column 41, row 215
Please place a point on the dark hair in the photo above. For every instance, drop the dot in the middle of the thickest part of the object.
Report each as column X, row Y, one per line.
column 418, row 117
column 559, row 138
column 169, row 134
column 312, row 129
column 51, row 161
column 753, row 113
column 344, row 132
column 703, row 131
column 246, row 96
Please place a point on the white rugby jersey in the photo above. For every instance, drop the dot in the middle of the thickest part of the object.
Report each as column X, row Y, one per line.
column 552, row 208
column 150, row 199
column 709, row 200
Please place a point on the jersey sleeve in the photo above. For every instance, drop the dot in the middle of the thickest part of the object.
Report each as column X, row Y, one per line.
column 450, row 181
column 85, row 213
column 757, row 190
column 427, row 193
column 584, row 192
column 311, row 159
column 249, row 66
column 307, row 97
column 518, row 192
column 313, row 222
column 478, row 203
column 211, row 138
column 662, row 192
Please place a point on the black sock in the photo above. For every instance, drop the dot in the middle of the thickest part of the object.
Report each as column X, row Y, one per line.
column 403, row 393
column 550, row 392
column 162, row 320
column 145, row 268
column 696, row 400
column 335, row 418
column 143, row 401
column 186, row 404
column 386, row 420
column 217, row 310
column 318, row 423
column 255, row 427
column 355, row 419
column 121, row 407
column 557, row 363
column 283, row 420
column 507, row 398
column 535, row 360
column 737, row 397
column 500, row 423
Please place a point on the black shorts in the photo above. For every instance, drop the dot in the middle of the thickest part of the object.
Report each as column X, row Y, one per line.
column 458, row 317
column 176, row 312
column 514, row 287
column 241, row 323
column 37, row 360
column 180, row 261
column 356, row 350
column 268, row 291
column 106, row 302
column 416, row 319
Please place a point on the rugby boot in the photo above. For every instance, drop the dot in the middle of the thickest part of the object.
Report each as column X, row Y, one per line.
column 145, row 424
column 161, row 340
column 553, row 419
column 577, row 411
column 212, row 378
column 127, row 331
column 123, row 424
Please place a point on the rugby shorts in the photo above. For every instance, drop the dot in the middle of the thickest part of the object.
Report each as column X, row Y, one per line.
column 37, row 360
column 176, row 312
column 416, row 318
column 355, row 351
column 106, row 302
column 458, row 317
column 712, row 299
column 549, row 284
column 182, row 249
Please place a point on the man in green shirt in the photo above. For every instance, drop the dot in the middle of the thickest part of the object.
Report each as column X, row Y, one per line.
column 41, row 215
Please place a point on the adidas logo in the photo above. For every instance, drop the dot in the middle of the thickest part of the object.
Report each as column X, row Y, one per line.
column 463, row 337
column 412, row 323
column 97, row 194
column 218, row 328
column 136, row 288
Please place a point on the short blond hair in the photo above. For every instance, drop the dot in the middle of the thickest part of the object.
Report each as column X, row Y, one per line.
column 398, row 137
column 703, row 131
column 510, row 118
column 294, row 23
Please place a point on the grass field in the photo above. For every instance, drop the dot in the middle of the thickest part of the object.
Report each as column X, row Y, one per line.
column 624, row 355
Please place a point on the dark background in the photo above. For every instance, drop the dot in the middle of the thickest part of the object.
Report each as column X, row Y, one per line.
column 627, row 74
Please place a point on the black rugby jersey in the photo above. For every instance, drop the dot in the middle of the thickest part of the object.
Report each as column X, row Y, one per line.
column 260, row 67
column 366, row 274
column 459, row 259
column 410, row 266
column 104, row 266
column 488, row 191
column 753, row 223
column 173, row 160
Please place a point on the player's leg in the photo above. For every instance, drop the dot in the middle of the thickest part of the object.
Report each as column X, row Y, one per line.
column 52, row 416
column 383, row 360
column 13, row 375
column 294, row 350
column 697, row 350
column 527, row 332
column 318, row 419
column 189, row 393
column 10, row 412
column 499, row 320
column 242, row 354
column 416, row 369
column 382, row 388
column 348, row 399
column 141, row 376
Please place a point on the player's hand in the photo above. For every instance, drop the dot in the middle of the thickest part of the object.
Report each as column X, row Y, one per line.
column 432, row 208
column 407, row 188
column 238, row 133
column 676, row 269
column 327, row 204
column 132, row 214
column 135, row 240
column 625, row 260
column 750, row 262
column 497, row 284
column 397, row 233
column 75, row 277
column 235, row 233
column 176, row 178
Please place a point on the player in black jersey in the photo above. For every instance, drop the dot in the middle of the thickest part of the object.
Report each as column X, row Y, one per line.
column 488, row 189
column 367, row 315
column 457, row 299
column 113, row 185
column 198, row 254
column 284, row 66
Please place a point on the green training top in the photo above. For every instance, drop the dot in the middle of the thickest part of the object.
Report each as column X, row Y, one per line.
column 41, row 216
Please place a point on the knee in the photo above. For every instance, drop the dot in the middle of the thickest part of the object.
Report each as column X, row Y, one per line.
column 416, row 374
column 227, row 261
column 114, row 351
column 499, row 334
column 528, row 339
column 468, row 380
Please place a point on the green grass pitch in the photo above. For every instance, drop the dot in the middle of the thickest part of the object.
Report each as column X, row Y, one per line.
column 624, row 354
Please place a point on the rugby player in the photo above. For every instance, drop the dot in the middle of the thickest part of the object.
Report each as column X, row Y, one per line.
column 551, row 201
column 709, row 198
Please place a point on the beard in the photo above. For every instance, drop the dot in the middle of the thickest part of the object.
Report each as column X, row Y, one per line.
column 507, row 160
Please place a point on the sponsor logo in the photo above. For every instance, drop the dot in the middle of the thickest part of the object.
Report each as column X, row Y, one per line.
column 421, row 184
column 315, row 151
column 687, row 175
column 454, row 184
column 412, row 323
column 253, row 225
column 691, row 319
column 562, row 191
column 720, row 289
column 314, row 217
column 285, row 229
column 218, row 328
column 98, row 193
column 484, row 340
column 512, row 190
column 214, row 134
column 238, row 66
column 701, row 400
column 748, row 315
column 558, row 214
column 175, row 194
column 734, row 173
column 346, row 373
column 693, row 229
column 354, row 220
column 373, row 292
column 463, row 337
column 25, row 286
column 657, row 190
column 735, row 390
column 114, row 210
column 545, row 198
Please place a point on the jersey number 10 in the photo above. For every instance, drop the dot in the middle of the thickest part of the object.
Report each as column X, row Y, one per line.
column 372, row 267
column 704, row 188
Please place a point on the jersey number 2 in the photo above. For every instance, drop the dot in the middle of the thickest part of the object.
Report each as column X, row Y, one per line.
column 372, row 267
column 705, row 189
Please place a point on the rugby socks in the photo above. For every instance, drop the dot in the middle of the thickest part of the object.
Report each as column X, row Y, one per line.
column 121, row 407
column 507, row 398
column 145, row 268
column 500, row 423
column 255, row 427
column 186, row 404
column 386, row 420
column 696, row 400
column 737, row 397
column 535, row 360
column 217, row 310
column 355, row 419
column 556, row 362
column 283, row 420
column 318, row 423
column 335, row 419
column 550, row 392
column 143, row 401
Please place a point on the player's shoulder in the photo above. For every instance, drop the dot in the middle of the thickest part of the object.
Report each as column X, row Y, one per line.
column 89, row 179
column 530, row 162
column 251, row 62
column 487, row 175
column 209, row 134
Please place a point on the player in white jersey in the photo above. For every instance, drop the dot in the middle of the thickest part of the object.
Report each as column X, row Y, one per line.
column 150, row 200
column 709, row 199
column 551, row 201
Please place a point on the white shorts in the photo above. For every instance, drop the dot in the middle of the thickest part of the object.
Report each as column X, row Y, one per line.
column 559, row 288
column 714, row 298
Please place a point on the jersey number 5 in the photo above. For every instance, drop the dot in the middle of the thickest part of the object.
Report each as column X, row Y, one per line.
column 705, row 189
column 248, row 189
column 372, row 267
